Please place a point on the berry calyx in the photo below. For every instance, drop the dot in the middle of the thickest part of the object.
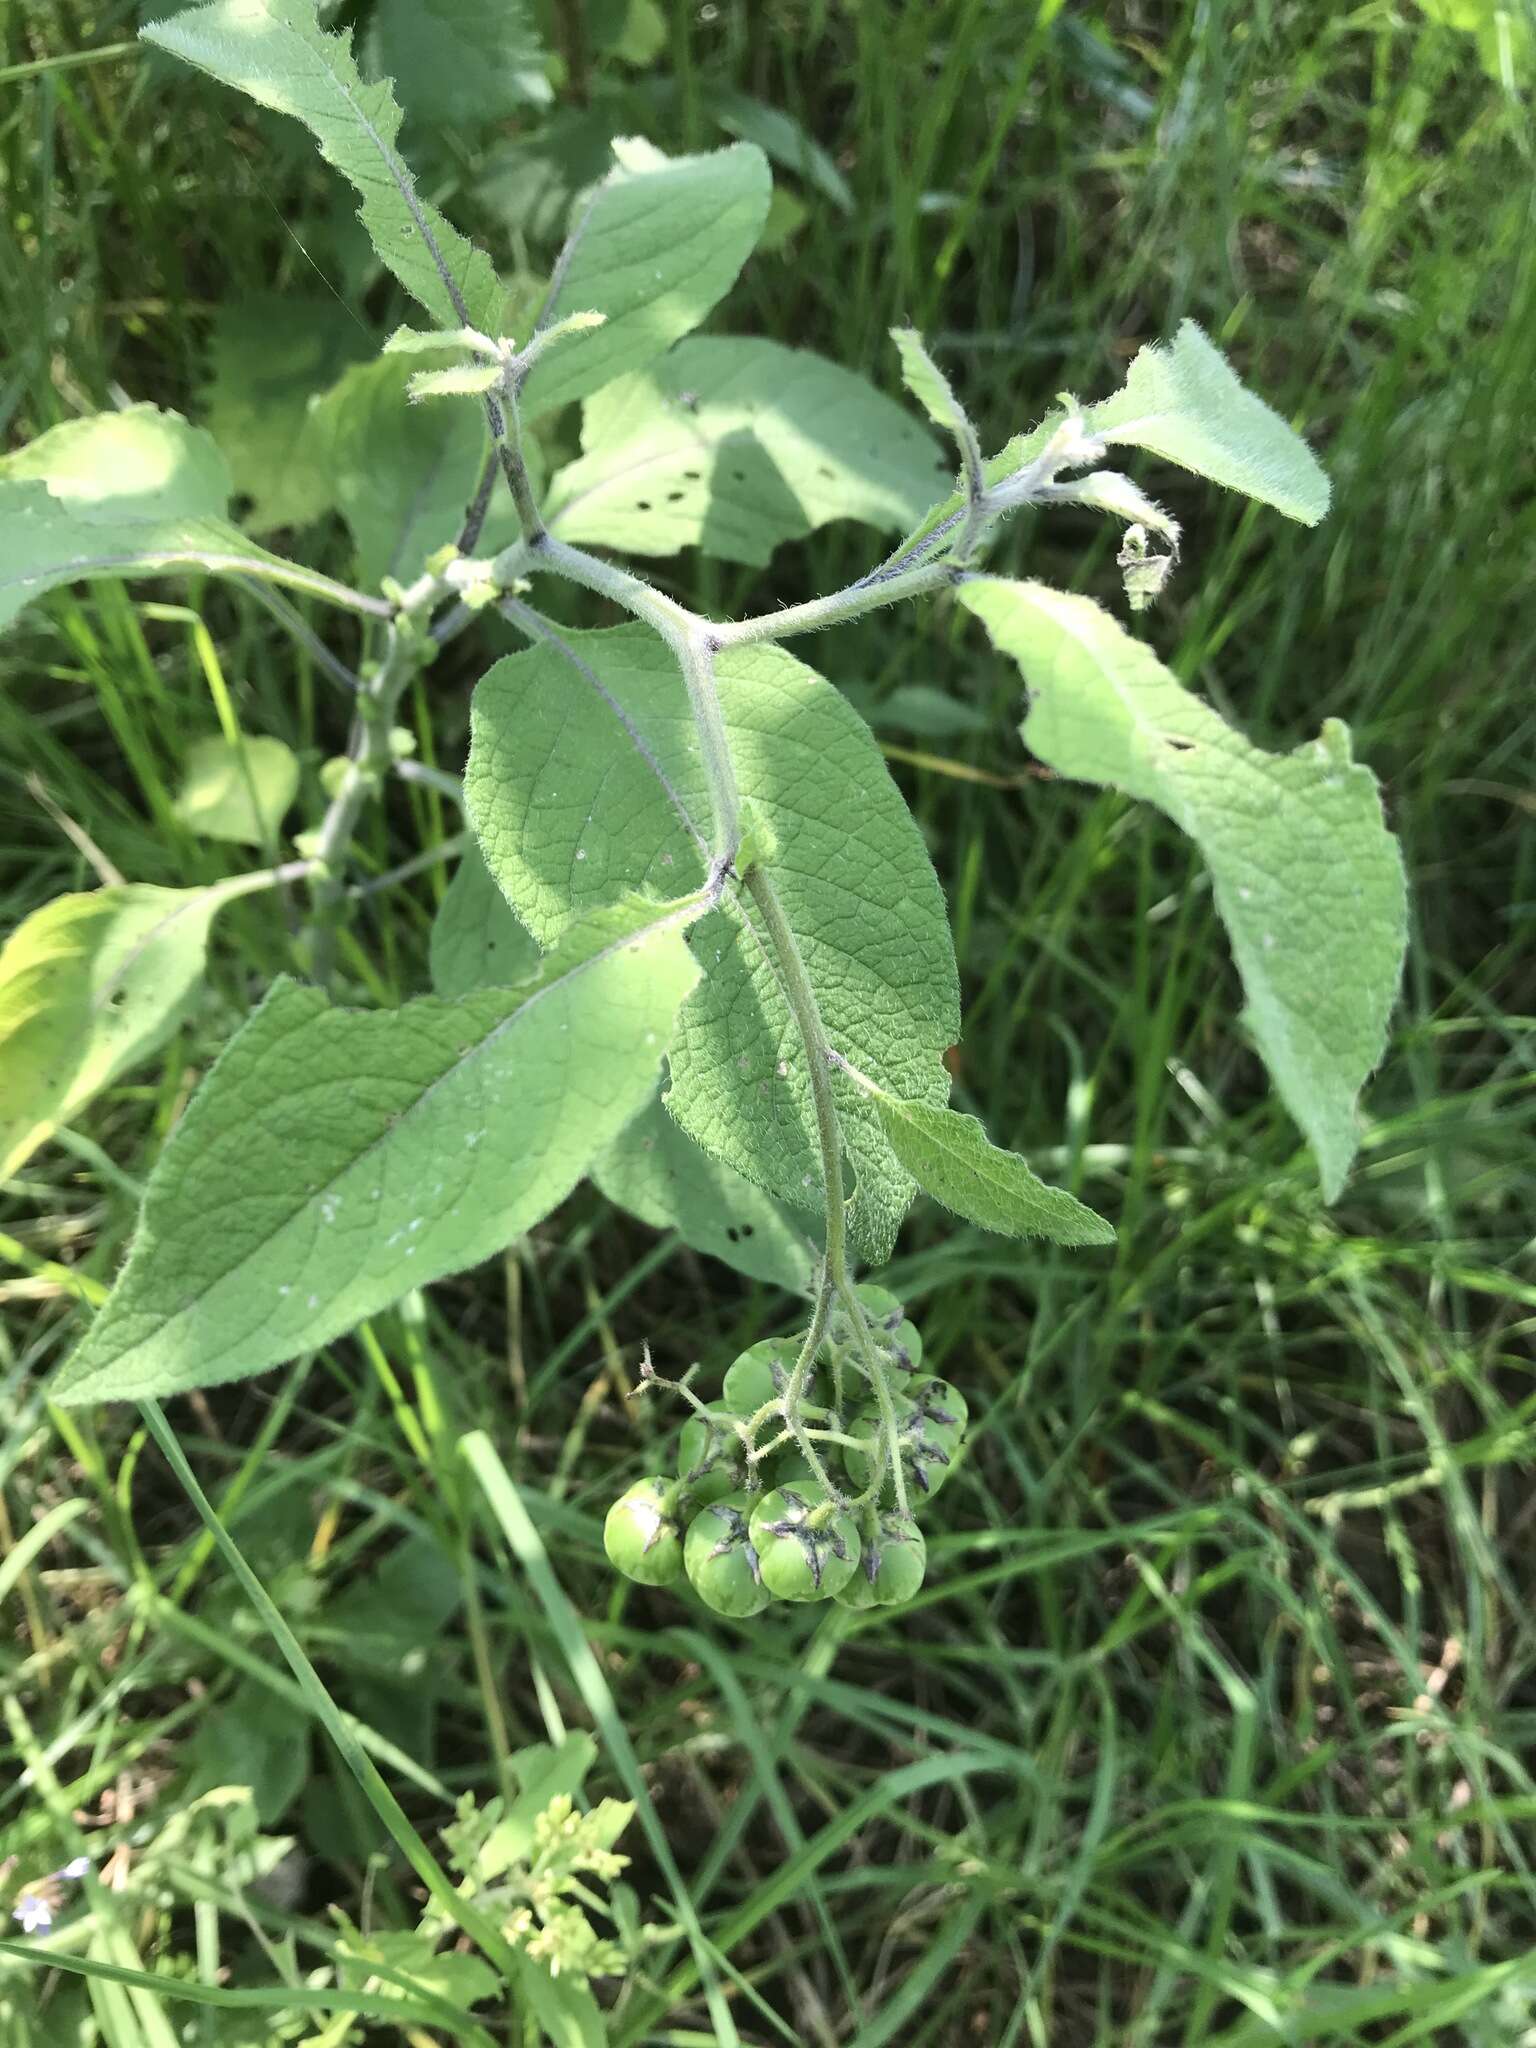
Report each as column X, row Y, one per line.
column 807, row 1549
column 642, row 1535
column 721, row 1560
column 710, row 1457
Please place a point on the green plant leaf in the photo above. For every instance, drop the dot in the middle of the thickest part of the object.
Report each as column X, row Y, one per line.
column 237, row 793
column 268, row 357
column 952, row 1157
column 926, row 381
column 1185, row 403
column 476, row 941
column 656, row 1172
column 90, row 985
column 1308, row 880
column 402, row 475
column 255, row 1740
column 567, row 2013
column 415, row 1964
column 658, row 243
column 735, row 446
column 456, row 62
column 334, row 1158
column 781, row 136
column 276, row 52
column 584, row 780
column 137, row 492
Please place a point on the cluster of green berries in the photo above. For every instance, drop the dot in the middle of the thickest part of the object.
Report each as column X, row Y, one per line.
column 786, row 1494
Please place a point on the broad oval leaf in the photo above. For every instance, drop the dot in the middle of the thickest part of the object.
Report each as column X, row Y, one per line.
column 89, row 986
column 137, row 492
column 1308, row 880
column 584, row 779
column 402, row 475
column 659, row 243
column 657, row 1172
column 735, row 446
column 951, row 1157
column 277, row 53
column 476, row 941
column 334, row 1158
column 268, row 357
column 237, row 793
column 455, row 62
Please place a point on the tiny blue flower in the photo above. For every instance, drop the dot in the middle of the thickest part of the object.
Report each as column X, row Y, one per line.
column 34, row 1913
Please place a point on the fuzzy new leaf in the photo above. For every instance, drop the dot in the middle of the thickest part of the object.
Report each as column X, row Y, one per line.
column 736, row 446
column 1184, row 402
column 1308, row 880
column 334, row 1158
column 659, row 243
column 951, row 1157
column 277, row 53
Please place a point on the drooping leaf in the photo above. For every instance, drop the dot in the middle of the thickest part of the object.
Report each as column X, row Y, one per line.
column 133, row 493
column 584, row 778
column 951, row 1157
column 735, row 446
column 781, row 136
column 334, row 1158
column 237, row 793
column 90, row 985
column 1308, row 880
column 1185, row 403
column 476, row 941
column 658, row 243
column 461, row 61
column 268, row 357
column 276, row 52
column 401, row 474
column 656, row 1171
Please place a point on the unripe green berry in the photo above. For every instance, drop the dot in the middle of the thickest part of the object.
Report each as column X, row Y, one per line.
column 711, row 1458
column 803, row 1554
column 894, row 1337
column 939, row 1403
column 721, row 1561
column 641, row 1534
column 891, row 1564
column 761, row 1374
column 925, row 1441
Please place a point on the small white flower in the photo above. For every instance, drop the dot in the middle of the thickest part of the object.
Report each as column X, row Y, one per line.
column 34, row 1913
column 76, row 1868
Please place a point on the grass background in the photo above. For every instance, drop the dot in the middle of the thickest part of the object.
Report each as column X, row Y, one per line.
column 1214, row 1722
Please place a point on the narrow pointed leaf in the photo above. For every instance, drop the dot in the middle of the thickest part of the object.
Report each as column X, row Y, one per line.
column 276, row 52
column 1185, row 403
column 584, row 779
column 1308, row 880
column 951, row 1157
column 926, row 381
column 659, row 243
column 133, row 493
column 335, row 1158
column 735, row 446
column 90, row 985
